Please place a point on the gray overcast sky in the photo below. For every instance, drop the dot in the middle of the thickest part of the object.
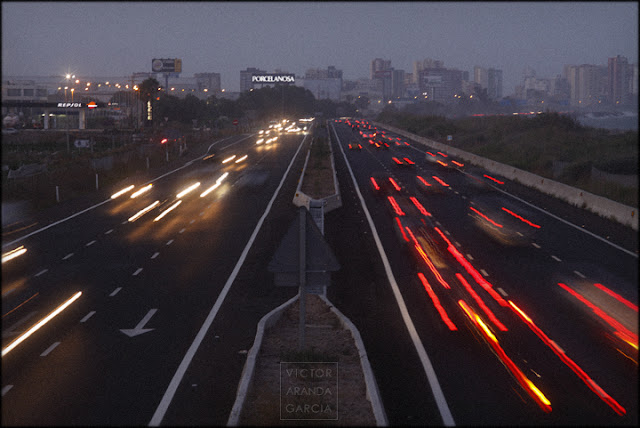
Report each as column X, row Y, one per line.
column 119, row 38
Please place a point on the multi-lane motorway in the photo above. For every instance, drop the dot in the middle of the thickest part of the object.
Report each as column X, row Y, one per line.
column 479, row 302
column 151, row 290
column 492, row 316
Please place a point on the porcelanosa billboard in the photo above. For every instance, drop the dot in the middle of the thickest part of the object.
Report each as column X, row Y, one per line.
column 273, row 78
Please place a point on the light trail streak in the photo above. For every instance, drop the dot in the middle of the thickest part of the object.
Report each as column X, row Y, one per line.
column 481, row 303
column 436, row 303
column 188, row 189
column 141, row 191
column 395, row 185
column 122, row 192
column 423, row 181
column 617, row 296
column 485, row 217
column 621, row 331
column 472, row 271
column 569, row 362
column 242, row 159
column 143, row 212
column 395, row 206
column 521, row 218
column 440, row 181
column 40, row 323
column 167, row 211
column 526, row 384
column 229, row 159
column 17, row 252
column 494, row 179
column 419, row 206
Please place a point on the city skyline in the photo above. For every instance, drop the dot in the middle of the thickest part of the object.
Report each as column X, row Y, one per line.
column 506, row 36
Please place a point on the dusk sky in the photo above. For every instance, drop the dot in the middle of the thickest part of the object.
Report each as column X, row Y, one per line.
column 120, row 38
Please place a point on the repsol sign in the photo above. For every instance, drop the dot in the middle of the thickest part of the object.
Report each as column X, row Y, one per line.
column 273, row 78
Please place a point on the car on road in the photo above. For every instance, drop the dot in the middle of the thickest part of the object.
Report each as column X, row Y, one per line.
column 383, row 184
column 504, row 221
column 355, row 146
column 402, row 161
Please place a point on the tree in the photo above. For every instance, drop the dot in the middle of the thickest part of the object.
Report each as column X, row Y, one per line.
column 148, row 89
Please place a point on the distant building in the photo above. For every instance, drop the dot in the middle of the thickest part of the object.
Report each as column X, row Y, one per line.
column 324, row 83
column 378, row 65
column 489, row 79
column 245, row 78
column 441, row 84
column 619, row 76
column 588, row 84
column 208, row 83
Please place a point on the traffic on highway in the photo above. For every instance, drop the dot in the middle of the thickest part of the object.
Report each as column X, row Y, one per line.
column 476, row 302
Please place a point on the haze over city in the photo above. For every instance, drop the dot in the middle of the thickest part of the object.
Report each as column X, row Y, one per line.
column 114, row 38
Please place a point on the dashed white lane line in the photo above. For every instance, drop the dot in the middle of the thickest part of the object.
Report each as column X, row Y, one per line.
column 182, row 230
column 579, row 274
column 556, row 258
column 169, row 242
column 6, row 389
column 469, row 256
column 125, row 222
column 536, row 245
column 484, row 272
column 501, row 291
column 89, row 315
column 156, row 254
column 137, row 272
column 201, row 214
column 108, row 231
column 43, row 271
column 49, row 349
column 114, row 292
column 90, row 243
column 68, row 256
column 191, row 222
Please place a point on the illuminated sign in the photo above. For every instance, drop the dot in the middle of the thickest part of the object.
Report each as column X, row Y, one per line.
column 166, row 65
column 273, row 78
column 70, row 105
column 92, row 105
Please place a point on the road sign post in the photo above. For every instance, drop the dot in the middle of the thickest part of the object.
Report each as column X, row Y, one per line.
column 303, row 259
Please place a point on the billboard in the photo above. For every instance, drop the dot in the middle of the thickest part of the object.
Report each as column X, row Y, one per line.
column 166, row 65
column 273, row 78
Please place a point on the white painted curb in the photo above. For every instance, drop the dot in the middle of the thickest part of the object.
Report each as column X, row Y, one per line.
column 249, row 366
column 373, row 394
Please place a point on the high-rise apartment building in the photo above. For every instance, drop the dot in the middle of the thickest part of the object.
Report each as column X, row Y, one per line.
column 378, row 65
column 489, row 79
column 619, row 74
column 588, row 83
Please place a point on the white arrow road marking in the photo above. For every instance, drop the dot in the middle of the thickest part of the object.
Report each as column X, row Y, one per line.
column 131, row 332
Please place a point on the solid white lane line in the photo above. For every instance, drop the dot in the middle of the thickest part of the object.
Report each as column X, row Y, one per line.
column 156, row 254
column 137, row 272
column 68, row 256
column 441, row 402
column 42, row 272
column 49, row 349
column 90, row 243
column 89, row 315
column 570, row 224
column 114, row 292
column 6, row 389
column 186, row 361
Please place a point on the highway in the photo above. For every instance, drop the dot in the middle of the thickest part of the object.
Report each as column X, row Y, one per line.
column 520, row 316
column 479, row 301
column 150, row 282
